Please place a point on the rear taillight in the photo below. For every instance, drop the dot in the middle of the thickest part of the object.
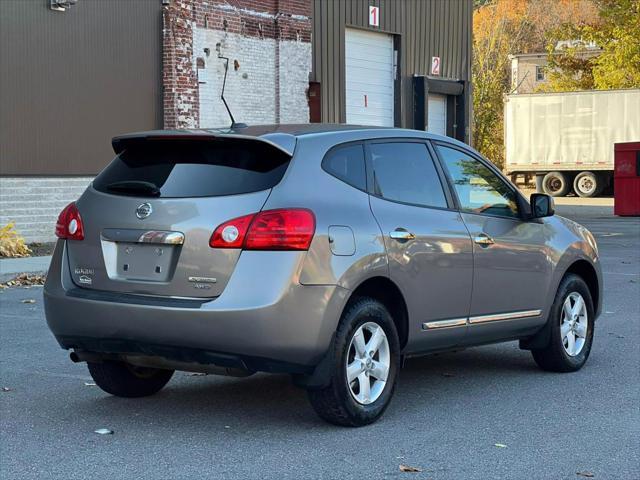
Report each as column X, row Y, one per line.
column 283, row 229
column 69, row 225
column 231, row 234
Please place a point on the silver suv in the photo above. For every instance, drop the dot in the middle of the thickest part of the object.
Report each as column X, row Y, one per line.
column 329, row 252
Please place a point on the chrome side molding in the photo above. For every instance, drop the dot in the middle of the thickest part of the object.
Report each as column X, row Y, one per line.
column 504, row 316
column 461, row 322
column 453, row 322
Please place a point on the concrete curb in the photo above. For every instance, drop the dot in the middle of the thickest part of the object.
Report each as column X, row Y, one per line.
column 10, row 267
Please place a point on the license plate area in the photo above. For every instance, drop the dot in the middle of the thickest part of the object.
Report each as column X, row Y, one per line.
column 132, row 256
column 146, row 262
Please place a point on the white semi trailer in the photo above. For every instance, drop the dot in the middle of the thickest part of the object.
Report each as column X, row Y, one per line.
column 566, row 140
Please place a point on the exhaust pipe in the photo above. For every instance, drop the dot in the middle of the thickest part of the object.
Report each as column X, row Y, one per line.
column 78, row 356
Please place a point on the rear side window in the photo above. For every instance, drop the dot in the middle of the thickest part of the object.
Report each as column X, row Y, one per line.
column 193, row 168
column 347, row 164
column 405, row 172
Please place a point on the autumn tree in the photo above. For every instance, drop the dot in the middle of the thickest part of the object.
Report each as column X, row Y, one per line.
column 501, row 28
column 617, row 65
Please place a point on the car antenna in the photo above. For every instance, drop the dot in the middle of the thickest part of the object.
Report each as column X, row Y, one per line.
column 224, row 82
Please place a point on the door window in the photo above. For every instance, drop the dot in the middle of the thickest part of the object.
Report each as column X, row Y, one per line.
column 479, row 189
column 405, row 172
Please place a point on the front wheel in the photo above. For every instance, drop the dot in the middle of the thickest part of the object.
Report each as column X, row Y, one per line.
column 366, row 357
column 124, row 380
column 571, row 328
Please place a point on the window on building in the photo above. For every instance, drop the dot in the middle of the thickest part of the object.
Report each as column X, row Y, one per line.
column 404, row 172
column 347, row 164
column 479, row 189
column 539, row 73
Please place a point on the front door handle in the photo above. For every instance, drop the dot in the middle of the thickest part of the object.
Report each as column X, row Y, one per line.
column 484, row 240
column 401, row 234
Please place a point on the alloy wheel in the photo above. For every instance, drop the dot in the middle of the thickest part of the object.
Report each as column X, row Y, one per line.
column 368, row 363
column 574, row 324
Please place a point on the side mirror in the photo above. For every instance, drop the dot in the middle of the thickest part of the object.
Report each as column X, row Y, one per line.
column 542, row 205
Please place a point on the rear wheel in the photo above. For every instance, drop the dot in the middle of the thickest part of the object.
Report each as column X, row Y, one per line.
column 556, row 184
column 588, row 184
column 366, row 357
column 124, row 380
column 571, row 328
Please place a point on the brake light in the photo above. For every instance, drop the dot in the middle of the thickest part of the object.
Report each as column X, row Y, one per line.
column 282, row 229
column 69, row 225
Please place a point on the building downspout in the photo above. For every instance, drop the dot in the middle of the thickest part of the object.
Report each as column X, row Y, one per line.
column 277, row 63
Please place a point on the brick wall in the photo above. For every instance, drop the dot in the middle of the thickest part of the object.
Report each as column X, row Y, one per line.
column 268, row 43
column 34, row 203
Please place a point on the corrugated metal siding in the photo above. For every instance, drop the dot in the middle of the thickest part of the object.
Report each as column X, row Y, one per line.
column 71, row 80
column 426, row 28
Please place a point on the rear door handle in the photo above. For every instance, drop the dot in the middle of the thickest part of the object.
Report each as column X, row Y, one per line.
column 484, row 240
column 401, row 234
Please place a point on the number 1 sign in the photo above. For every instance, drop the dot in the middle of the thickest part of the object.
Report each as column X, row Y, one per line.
column 374, row 16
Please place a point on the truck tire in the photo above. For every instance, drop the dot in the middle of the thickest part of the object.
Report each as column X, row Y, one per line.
column 588, row 184
column 556, row 184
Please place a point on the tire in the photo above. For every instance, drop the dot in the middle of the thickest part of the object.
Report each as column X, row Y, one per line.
column 341, row 402
column 124, row 380
column 588, row 184
column 556, row 184
column 555, row 357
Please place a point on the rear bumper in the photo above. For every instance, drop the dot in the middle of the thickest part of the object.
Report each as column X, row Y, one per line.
column 264, row 320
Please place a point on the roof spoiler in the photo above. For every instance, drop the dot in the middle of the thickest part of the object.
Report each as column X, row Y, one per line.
column 282, row 142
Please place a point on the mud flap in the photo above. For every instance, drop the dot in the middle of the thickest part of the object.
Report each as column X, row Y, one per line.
column 322, row 373
column 539, row 340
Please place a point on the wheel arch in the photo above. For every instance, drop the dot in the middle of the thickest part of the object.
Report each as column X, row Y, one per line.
column 388, row 293
column 587, row 272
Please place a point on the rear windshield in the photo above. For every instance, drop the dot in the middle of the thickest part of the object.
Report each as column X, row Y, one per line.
column 193, row 168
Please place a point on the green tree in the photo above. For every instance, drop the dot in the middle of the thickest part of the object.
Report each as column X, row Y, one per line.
column 501, row 28
column 617, row 64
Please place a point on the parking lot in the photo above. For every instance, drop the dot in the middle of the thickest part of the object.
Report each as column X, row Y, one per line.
column 482, row 413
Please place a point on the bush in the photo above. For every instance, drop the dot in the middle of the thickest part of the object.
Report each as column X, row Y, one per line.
column 11, row 243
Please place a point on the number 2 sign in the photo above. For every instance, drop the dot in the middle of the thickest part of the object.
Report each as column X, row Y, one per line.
column 374, row 16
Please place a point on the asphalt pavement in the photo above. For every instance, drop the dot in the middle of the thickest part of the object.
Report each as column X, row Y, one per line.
column 484, row 413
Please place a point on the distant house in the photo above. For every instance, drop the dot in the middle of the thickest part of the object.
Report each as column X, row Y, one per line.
column 529, row 70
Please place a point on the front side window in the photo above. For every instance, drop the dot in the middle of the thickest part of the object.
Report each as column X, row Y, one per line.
column 479, row 190
column 405, row 172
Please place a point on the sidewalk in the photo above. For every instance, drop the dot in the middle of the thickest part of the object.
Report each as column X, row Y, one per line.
column 10, row 267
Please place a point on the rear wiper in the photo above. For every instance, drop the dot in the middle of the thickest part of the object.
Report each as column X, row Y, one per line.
column 135, row 186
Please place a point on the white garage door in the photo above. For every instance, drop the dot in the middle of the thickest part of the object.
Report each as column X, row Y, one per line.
column 369, row 78
column 437, row 114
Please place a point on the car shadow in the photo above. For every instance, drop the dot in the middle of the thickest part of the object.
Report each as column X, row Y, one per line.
column 272, row 400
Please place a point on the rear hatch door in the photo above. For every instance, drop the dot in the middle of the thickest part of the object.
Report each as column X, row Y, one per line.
column 149, row 215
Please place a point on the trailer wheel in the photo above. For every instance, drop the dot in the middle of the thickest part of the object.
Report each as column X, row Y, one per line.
column 555, row 184
column 588, row 184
